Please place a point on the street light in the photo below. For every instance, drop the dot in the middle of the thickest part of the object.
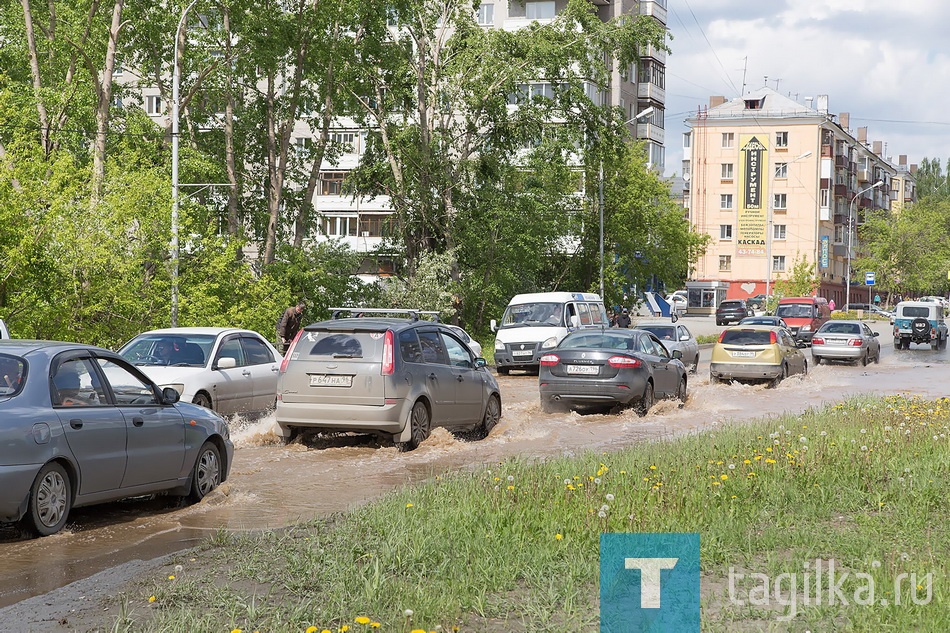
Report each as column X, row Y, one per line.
column 600, row 196
column 768, row 226
column 176, row 78
column 847, row 276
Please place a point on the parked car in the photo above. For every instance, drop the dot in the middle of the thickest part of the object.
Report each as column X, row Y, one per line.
column 81, row 425
column 4, row 332
column 610, row 368
column 674, row 336
column 758, row 302
column 393, row 376
column 804, row 315
column 756, row 352
column 853, row 341
column 919, row 322
column 677, row 302
column 474, row 345
column 228, row 370
column 869, row 309
column 765, row 320
column 733, row 310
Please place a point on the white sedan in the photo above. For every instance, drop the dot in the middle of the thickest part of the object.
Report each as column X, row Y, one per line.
column 225, row 369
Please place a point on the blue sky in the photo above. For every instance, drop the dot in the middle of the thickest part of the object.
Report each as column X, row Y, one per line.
column 886, row 62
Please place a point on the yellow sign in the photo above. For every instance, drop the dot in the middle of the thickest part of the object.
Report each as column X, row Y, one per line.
column 752, row 221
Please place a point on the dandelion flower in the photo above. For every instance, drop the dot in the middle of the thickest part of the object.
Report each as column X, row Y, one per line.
column 602, row 514
column 172, row 577
column 724, row 477
column 511, row 477
column 408, row 505
column 407, row 613
column 361, row 619
column 311, row 629
column 609, row 497
column 152, row 598
column 558, row 537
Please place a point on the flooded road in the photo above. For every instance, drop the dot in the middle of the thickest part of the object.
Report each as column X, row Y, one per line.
column 272, row 485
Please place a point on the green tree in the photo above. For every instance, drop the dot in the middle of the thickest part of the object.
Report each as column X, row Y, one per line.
column 801, row 280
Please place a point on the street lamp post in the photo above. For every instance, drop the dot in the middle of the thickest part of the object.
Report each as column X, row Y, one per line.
column 768, row 226
column 600, row 200
column 847, row 275
column 176, row 79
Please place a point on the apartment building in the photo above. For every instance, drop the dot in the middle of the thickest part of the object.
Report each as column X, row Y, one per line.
column 773, row 181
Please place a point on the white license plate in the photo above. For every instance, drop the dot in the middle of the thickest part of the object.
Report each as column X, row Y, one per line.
column 330, row 380
column 743, row 354
column 522, row 352
column 587, row 370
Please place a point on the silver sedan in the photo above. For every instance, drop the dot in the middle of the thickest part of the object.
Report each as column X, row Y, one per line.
column 851, row 341
column 675, row 337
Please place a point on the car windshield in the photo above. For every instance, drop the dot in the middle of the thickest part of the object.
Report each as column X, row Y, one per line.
column 533, row 314
column 795, row 310
column 179, row 350
column 840, row 328
column 599, row 340
column 12, row 372
column 913, row 312
column 662, row 332
column 747, row 337
column 357, row 344
column 758, row 321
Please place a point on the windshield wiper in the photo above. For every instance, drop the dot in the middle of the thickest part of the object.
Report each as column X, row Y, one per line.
column 347, row 355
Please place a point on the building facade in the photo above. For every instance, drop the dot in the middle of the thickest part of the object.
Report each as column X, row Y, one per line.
column 774, row 182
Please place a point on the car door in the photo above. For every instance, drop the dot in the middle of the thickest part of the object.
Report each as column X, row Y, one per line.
column 793, row 354
column 233, row 386
column 874, row 345
column 439, row 378
column 155, row 431
column 263, row 366
column 688, row 344
column 469, row 385
column 95, row 429
column 656, row 355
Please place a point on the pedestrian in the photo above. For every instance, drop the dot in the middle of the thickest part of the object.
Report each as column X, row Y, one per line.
column 831, row 305
column 289, row 325
column 877, row 299
column 624, row 319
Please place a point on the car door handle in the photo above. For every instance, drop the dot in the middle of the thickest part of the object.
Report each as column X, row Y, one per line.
column 245, row 373
column 136, row 421
column 459, row 377
column 76, row 423
column 432, row 376
column 275, row 369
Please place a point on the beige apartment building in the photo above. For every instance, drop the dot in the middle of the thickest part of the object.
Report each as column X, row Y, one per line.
column 773, row 181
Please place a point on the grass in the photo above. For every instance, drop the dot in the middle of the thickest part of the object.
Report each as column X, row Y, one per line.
column 513, row 546
column 706, row 339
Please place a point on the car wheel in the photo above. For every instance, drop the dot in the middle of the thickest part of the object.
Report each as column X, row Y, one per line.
column 289, row 439
column 778, row 379
column 503, row 371
column 202, row 400
column 864, row 359
column 548, row 406
column 646, row 401
column 419, row 427
column 206, row 475
column 943, row 343
column 51, row 499
column 681, row 390
column 492, row 415
column 817, row 359
column 694, row 369
column 718, row 322
column 897, row 343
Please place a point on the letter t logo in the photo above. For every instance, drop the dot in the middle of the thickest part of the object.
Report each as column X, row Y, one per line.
column 649, row 578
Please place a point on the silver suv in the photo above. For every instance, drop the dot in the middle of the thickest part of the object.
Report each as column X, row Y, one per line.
column 393, row 377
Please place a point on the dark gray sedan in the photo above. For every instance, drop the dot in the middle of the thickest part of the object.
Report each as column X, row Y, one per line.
column 81, row 426
column 852, row 341
column 610, row 368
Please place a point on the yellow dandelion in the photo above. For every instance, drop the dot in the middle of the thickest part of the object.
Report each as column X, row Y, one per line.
column 418, row 631
column 344, row 628
column 558, row 537
column 408, row 505
column 375, row 625
column 724, row 477
column 235, row 630
column 511, row 487
column 747, row 462
column 172, row 577
column 326, row 631
column 362, row 620
column 152, row 598
column 311, row 629
column 652, row 467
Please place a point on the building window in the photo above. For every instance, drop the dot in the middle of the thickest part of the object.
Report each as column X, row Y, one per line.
column 725, row 231
column 539, row 10
column 778, row 263
column 778, row 232
column 728, row 140
column 727, row 171
column 339, row 226
column 781, row 139
column 344, row 140
column 780, row 201
column 376, row 225
column 824, row 197
column 725, row 201
column 687, row 138
column 331, row 183
column 486, row 14
column 725, row 263
column 839, row 234
column 781, row 170
column 153, row 105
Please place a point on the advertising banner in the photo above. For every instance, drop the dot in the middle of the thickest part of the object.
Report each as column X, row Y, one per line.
column 752, row 220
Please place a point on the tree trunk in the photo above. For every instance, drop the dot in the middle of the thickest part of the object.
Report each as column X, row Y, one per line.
column 273, row 176
column 37, row 79
column 104, row 90
column 234, row 227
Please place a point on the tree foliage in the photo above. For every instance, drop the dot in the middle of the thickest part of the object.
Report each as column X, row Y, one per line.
column 801, row 280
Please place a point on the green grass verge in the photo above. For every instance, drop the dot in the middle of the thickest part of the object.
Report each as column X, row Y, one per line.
column 705, row 339
column 514, row 546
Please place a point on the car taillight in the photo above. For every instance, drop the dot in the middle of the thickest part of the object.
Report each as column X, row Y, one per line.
column 721, row 334
column 389, row 362
column 818, row 341
column 624, row 361
column 549, row 360
column 290, row 350
column 773, row 338
column 854, row 342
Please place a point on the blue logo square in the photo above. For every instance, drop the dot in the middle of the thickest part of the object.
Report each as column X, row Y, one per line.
column 649, row 582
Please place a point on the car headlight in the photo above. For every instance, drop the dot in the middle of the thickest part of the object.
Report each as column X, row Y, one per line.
column 549, row 343
column 499, row 346
column 805, row 328
column 178, row 386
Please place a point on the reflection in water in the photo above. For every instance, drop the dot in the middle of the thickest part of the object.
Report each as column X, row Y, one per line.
column 273, row 485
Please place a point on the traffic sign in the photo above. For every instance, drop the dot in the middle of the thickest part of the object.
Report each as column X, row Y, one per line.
column 868, row 279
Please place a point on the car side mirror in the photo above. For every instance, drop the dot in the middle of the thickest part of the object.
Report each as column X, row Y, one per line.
column 677, row 354
column 801, row 344
column 875, row 333
column 480, row 362
column 226, row 362
column 575, row 321
column 170, row 395
column 493, row 324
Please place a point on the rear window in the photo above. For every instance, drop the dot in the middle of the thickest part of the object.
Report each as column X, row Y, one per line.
column 747, row 337
column 599, row 340
column 913, row 312
column 12, row 374
column 730, row 304
column 840, row 328
column 367, row 345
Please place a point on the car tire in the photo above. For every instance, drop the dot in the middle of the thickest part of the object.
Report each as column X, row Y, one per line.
column 864, row 359
column 681, row 390
column 420, row 425
column 202, row 400
column 490, row 419
column 817, row 360
column 695, row 367
column 718, row 322
column 897, row 343
column 548, row 406
column 206, row 474
column 778, row 379
column 646, row 400
column 51, row 499
column 503, row 371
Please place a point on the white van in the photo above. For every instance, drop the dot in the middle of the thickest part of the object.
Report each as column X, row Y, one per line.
column 534, row 323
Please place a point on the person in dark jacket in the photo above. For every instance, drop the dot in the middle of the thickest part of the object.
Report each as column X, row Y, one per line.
column 289, row 326
column 624, row 319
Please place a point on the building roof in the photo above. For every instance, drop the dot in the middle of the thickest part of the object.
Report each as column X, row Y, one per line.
column 763, row 102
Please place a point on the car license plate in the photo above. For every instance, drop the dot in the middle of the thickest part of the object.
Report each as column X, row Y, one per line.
column 522, row 352
column 587, row 370
column 743, row 354
column 330, row 380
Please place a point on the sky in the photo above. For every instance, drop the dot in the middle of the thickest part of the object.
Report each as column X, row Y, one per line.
column 886, row 62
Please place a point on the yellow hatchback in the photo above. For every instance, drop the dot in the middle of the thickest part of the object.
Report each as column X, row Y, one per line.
column 756, row 353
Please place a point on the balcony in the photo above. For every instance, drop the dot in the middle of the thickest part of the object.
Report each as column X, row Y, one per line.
column 656, row 8
column 652, row 52
column 841, row 161
column 649, row 131
column 652, row 92
column 864, row 175
column 841, row 218
column 841, row 190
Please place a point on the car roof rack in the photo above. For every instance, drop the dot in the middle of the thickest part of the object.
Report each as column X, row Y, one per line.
column 337, row 313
